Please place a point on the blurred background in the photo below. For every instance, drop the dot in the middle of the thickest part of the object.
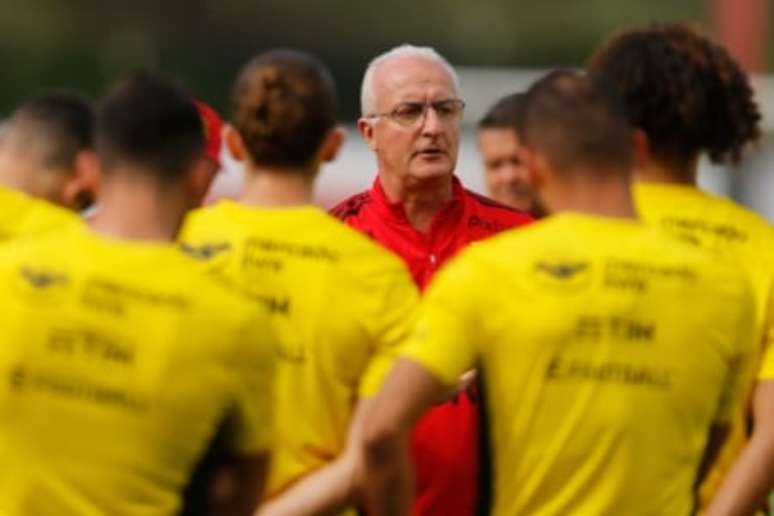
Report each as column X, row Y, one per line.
column 498, row 46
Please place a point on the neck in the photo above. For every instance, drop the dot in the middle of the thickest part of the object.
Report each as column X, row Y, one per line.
column 421, row 200
column 652, row 171
column 280, row 188
column 604, row 197
column 135, row 206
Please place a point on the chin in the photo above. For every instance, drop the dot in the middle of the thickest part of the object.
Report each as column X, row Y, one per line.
column 427, row 173
column 520, row 202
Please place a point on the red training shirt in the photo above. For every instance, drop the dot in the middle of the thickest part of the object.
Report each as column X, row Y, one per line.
column 445, row 442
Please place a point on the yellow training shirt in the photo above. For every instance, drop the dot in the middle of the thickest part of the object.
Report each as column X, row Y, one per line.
column 341, row 306
column 733, row 233
column 727, row 229
column 607, row 351
column 22, row 215
column 120, row 361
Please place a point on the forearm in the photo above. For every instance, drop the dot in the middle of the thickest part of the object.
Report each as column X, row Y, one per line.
column 326, row 491
column 752, row 477
column 408, row 391
column 388, row 486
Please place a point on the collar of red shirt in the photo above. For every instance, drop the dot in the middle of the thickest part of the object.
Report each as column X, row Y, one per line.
column 394, row 210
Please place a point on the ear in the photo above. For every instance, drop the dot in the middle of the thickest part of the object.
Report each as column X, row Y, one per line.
column 534, row 164
column 366, row 130
column 331, row 145
column 82, row 187
column 234, row 142
column 641, row 144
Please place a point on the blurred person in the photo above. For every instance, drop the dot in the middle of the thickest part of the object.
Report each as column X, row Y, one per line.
column 417, row 208
column 212, row 127
column 686, row 95
column 123, row 361
column 498, row 145
column 341, row 303
column 46, row 152
column 602, row 394
column 212, row 124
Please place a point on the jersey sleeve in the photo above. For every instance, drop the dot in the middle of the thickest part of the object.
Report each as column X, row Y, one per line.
column 391, row 326
column 448, row 326
column 251, row 428
column 744, row 360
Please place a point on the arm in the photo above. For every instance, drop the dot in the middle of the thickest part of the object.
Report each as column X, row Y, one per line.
column 408, row 392
column 752, row 476
column 332, row 487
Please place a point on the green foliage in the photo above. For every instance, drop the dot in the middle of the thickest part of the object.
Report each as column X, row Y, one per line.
column 82, row 44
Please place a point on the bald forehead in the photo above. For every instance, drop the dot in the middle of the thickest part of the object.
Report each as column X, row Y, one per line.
column 410, row 78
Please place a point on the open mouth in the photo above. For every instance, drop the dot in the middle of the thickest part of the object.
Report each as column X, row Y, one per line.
column 431, row 152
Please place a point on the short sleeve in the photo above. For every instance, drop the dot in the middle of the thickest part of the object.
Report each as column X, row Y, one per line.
column 251, row 426
column 390, row 327
column 448, row 323
column 743, row 363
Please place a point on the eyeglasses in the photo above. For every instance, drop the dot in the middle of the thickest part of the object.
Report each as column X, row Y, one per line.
column 408, row 113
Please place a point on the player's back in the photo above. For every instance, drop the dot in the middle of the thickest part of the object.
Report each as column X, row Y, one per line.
column 120, row 362
column 716, row 224
column 733, row 233
column 24, row 216
column 602, row 382
column 341, row 305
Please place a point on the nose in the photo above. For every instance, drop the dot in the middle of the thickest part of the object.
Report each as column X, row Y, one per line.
column 431, row 122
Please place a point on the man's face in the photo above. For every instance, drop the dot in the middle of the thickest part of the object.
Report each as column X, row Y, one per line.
column 426, row 149
column 506, row 176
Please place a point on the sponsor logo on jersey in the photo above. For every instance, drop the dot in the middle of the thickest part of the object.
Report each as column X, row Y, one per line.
column 562, row 270
column 204, row 251
column 41, row 279
column 562, row 274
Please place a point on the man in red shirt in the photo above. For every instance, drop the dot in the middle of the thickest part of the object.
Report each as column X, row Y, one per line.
column 417, row 208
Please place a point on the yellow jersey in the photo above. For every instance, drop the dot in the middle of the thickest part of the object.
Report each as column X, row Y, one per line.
column 120, row 363
column 607, row 352
column 730, row 232
column 23, row 215
column 341, row 307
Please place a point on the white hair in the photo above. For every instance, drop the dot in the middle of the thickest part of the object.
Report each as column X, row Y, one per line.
column 367, row 97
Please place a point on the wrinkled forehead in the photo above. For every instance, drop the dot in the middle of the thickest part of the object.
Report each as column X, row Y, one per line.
column 405, row 79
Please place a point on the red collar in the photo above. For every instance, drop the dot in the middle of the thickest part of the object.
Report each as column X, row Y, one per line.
column 394, row 210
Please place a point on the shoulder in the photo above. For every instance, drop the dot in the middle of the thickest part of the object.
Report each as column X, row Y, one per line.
column 360, row 255
column 40, row 217
column 202, row 219
column 211, row 297
column 760, row 229
column 492, row 211
column 352, row 206
column 205, row 233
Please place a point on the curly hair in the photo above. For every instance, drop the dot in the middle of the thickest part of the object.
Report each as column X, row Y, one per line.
column 284, row 104
column 684, row 90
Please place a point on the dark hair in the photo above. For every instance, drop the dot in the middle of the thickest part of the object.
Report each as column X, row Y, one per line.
column 62, row 122
column 146, row 121
column 685, row 91
column 506, row 113
column 284, row 104
column 577, row 120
